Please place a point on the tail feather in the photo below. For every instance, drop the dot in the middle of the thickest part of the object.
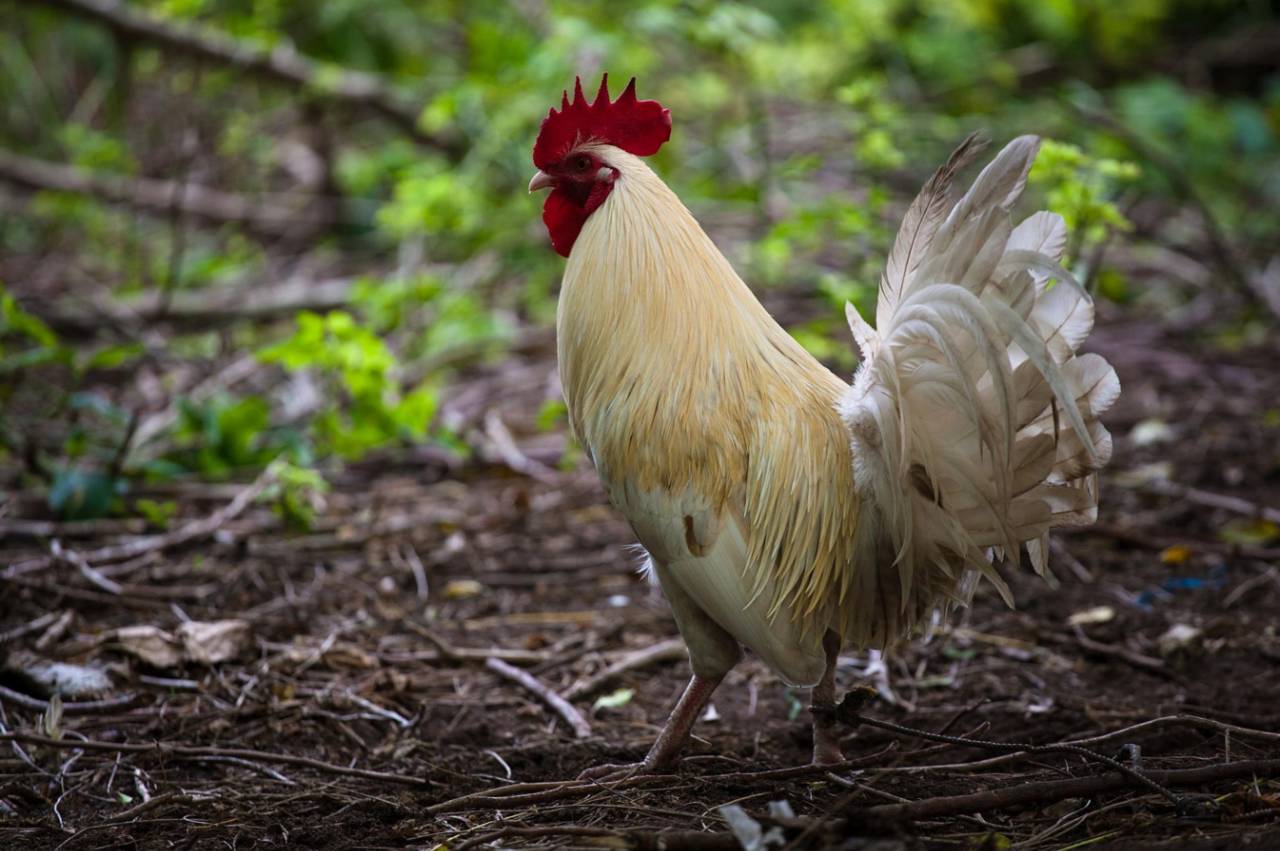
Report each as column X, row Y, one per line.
column 973, row 422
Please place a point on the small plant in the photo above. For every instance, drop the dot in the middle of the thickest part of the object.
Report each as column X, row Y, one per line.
column 297, row 492
column 1081, row 188
column 366, row 403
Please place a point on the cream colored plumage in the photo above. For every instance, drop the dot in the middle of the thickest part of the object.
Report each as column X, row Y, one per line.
column 778, row 502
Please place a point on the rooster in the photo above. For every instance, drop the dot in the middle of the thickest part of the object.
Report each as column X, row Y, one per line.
column 782, row 509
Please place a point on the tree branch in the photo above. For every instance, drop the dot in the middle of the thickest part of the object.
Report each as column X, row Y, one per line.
column 271, row 215
column 281, row 64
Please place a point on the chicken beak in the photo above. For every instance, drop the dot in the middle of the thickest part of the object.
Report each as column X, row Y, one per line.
column 541, row 180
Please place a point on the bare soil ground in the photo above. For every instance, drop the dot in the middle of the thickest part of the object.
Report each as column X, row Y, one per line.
column 363, row 712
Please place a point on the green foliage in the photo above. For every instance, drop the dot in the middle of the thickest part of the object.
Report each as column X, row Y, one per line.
column 429, row 198
column 156, row 512
column 553, row 414
column 1081, row 189
column 220, row 437
column 83, row 494
column 296, row 492
column 94, row 150
column 25, row 340
column 366, row 405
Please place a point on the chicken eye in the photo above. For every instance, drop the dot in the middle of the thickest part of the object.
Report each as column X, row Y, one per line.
column 582, row 163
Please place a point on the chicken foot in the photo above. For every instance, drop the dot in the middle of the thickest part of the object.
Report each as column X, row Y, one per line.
column 666, row 749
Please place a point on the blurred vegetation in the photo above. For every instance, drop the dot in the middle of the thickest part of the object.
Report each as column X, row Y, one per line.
column 371, row 236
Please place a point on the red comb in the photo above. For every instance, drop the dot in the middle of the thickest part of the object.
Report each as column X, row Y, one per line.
column 636, row 126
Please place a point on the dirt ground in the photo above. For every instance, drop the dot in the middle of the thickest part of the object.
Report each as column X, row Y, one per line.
column 364, row 710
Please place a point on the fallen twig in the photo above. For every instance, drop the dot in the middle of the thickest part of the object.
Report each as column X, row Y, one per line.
column 849, row 711
column 31, row 626
column 533, row 832
column 1234, row 504
column 55, row 632
column 82, row 707
column 1124, row 734
column 450, row 653
column 798, row 771
column 43, row 529
column 86, row 570
column 518, row 794
column 504, row 446
column 1047, row 791
column 1114, row 651
column 562, row 707
column 170, row 749
column 665, row 651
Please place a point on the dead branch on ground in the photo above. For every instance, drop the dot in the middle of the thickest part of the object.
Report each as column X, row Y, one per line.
column 563, row 708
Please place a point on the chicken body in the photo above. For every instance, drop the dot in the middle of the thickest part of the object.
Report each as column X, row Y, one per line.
column 782, row 509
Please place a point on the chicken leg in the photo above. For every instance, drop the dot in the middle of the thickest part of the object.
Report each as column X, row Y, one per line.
column 666, row 748
column 822, row 699
column 712, row 653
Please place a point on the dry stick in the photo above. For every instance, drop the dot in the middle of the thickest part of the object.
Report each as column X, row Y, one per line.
column 562, row 707
column 321, row 81
column 83, row 707
column 665, row 651
column 1056, row 790
column 448, row 652
column 1115, row 651
column 270, row 216
column 532, row 832
column 1123, row 734
column 169, row 749
column 55, row 632
column 798, row 771
column 18, row 527
column 194, row 530
column 848, row 711
column 152, row 802
column 518, row 794
column 31, row 626
column 1183, row 720
column 1209, row 499
column 87, row 570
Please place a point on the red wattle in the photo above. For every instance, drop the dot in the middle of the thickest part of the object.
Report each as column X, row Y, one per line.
column 564, row 215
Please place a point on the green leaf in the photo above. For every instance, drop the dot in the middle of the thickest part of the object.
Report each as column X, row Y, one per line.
column 552, row 413
column 1255, row 532
column 83, row 494
column 156, row 513
column 613, row 700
